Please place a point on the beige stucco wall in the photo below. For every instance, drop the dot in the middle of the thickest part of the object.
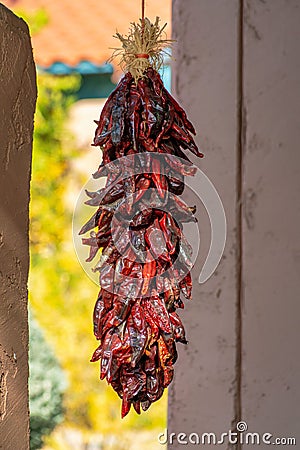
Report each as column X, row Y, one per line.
column 237, row 72
column 17, row 103
column 271, row 218
column 204, row 80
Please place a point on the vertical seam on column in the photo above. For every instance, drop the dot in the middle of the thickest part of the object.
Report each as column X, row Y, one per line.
column 241, row 129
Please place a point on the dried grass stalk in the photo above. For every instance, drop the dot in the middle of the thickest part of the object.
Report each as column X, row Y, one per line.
column 143, row 47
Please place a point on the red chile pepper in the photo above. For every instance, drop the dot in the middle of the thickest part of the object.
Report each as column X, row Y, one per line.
column 149, row 271
column 178, row 329
column 99, row 307
column 138, row 336
column 146, row 261
column 142, row 185
column 158, row 178
column 147, row 106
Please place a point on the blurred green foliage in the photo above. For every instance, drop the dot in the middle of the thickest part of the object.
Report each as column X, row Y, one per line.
column 36, row 20
column 53, row 151
column 46, row 387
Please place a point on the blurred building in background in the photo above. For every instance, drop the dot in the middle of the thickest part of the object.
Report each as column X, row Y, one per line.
column 77, row 37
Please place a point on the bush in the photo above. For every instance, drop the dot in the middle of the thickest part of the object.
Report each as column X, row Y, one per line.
column 46, row 387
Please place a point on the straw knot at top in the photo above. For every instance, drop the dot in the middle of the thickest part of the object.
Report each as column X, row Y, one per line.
column 143, row 47
column 142, row 55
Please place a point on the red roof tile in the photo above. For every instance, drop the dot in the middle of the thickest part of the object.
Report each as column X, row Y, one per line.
column 82, row 30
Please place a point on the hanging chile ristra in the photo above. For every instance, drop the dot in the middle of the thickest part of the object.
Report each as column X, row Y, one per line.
column 145, row 261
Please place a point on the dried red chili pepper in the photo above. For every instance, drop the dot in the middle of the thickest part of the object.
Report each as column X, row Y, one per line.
column 146, row 261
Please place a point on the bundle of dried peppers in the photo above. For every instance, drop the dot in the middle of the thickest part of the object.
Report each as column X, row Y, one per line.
column 146, row 260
